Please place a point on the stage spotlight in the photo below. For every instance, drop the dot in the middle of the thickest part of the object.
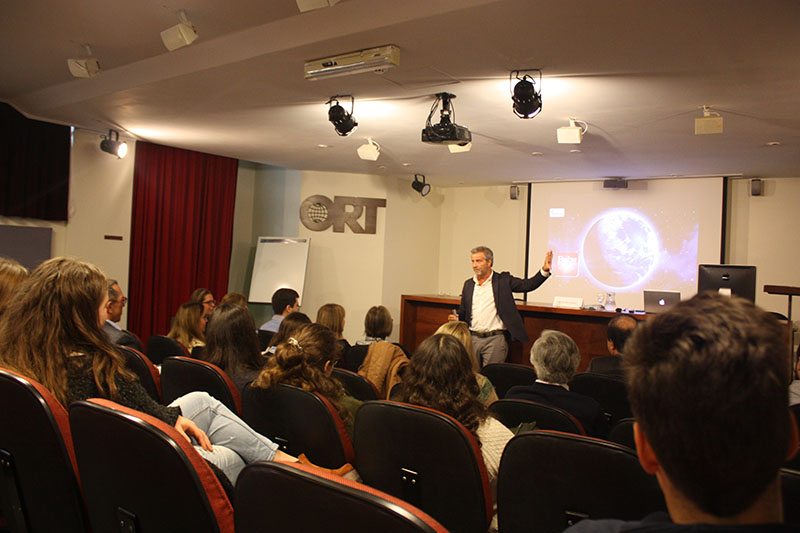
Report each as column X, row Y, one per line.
column 527, row 101
column 370, row 151
column 112, row 145
column 343, row 122
column 420, row 186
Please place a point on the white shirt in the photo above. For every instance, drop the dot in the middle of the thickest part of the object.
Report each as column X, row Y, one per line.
column 484, row 312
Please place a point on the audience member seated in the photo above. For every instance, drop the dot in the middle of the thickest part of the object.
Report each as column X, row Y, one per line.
column 378, row 325
column 114, row 333
column 332, row 317
column 441, row 376
column 555, row 358
column 204, row 297
column 618, row 331
column 288, row 327
column 284, row 301
column 189, row 325
column 460, row 330
column 232, row 344
column 306, row 361
column 236, row 298
column 708, row 386
column 11, row 275
column 54, row 335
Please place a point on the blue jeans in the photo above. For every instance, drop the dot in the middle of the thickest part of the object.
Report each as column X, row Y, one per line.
column 235, row 443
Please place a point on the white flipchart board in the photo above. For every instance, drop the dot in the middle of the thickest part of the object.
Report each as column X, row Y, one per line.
column 280, row 262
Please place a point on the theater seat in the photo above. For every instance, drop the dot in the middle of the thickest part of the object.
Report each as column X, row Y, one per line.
column 140, row 474
column 551, row 480
column 299, row 421
column 328, row 503
column 506, row 375
column 40, row 488
column 427, row 459
column 182, row 375
column 513, row 412
column 160, row 347
column 609, row 392
column 356, row 385
column 148, row 374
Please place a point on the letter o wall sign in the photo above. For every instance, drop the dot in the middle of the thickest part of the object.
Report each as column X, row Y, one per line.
column 319, row 212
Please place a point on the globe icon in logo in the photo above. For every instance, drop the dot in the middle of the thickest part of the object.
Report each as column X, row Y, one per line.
column 317, row 212
column 620, row 249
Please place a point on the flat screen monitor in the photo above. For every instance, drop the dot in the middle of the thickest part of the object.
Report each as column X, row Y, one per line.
column 738, row 280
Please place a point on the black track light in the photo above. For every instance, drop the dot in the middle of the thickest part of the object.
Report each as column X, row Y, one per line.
column 112, row 145
column 527, row 100
column 343, row 122
column 420, row 186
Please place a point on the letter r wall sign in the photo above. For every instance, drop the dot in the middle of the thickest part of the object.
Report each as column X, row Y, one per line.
column 319, row 212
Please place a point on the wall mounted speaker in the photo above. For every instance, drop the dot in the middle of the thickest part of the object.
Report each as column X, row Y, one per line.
column 756, row 187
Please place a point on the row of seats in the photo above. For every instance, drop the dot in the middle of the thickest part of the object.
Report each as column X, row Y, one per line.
column 130, row 476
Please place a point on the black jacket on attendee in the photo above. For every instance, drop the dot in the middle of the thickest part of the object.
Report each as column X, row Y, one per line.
column 607, row 365
column 585, row 409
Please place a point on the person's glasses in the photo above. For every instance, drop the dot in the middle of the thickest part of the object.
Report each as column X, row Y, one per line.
column 122, row 301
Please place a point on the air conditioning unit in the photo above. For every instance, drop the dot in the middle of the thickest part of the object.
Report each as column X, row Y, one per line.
column 376, row 60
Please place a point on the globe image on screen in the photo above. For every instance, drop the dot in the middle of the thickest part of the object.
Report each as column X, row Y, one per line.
column 318, row 212
column 620, row 249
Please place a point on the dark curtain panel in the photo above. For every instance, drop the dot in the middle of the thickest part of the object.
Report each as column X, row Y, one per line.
column 181, row 231
column 34, row 167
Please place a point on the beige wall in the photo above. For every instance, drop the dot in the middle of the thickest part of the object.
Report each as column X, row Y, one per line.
column 480, row 216
column 763, row 231
column 422, row 244
column 100, row 196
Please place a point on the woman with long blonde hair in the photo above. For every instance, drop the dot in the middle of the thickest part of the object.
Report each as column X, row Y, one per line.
column 189, row 326
column 11, row 275
column 53, row 334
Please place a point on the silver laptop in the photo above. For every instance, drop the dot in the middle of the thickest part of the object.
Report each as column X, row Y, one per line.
column 660, row 301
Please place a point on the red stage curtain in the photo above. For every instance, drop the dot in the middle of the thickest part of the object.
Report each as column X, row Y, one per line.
column 181, row 231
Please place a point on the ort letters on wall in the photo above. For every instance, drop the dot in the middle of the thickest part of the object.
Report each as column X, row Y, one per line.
column 319, row 212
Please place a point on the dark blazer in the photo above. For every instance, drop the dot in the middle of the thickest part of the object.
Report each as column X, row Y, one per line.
column 122, row 337
column 585, row 409
column 607, row 365
column 503, row 285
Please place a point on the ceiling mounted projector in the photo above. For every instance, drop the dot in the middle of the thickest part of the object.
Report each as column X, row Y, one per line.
column 527, row 100
column 446, row 131
column 369, row 151
column 709, row 123
column 571, row 134
column 376, row 60
column 180, row 35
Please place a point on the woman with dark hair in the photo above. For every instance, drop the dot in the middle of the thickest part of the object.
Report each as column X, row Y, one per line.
column 440, row 376
column 204, row 296
column 188, row 326
column 11, row 275
column 460, row 331
column 291, row 323
column 332, row 317
column 54, row 335
column 232, row 344
column 306, row 360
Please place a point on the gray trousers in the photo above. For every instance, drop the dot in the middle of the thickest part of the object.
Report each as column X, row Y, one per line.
column 492, row 349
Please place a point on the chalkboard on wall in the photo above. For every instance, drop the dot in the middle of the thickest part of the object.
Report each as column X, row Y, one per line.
column 280, row 262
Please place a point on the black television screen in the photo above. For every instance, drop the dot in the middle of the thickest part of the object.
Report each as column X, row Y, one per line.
column 738, row 280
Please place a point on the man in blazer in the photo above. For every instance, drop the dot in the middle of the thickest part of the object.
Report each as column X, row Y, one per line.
column 114, row 333
column 487, row 305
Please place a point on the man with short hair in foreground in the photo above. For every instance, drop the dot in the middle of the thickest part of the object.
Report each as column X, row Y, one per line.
column 708, row 382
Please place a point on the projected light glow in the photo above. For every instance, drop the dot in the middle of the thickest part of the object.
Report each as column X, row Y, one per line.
column 620, row 249
column 650, row 236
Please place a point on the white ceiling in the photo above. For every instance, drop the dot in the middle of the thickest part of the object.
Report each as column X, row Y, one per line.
column 636, row 71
